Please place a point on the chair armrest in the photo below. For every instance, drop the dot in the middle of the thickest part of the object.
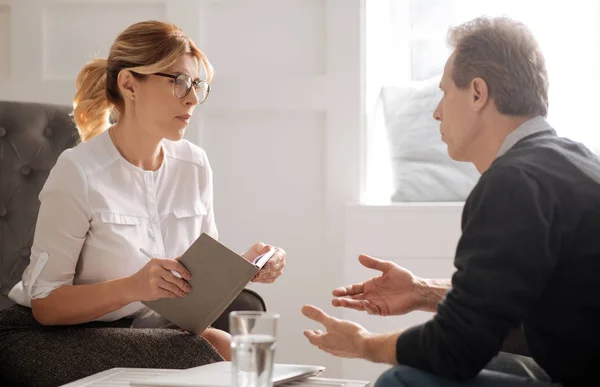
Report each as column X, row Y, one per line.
column 515, row 343
column 246, row 300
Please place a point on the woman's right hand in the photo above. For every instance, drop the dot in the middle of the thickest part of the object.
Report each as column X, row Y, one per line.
column 155, row 280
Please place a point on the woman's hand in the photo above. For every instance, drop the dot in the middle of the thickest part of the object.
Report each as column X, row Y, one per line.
column 272, row 269
column 155, row 280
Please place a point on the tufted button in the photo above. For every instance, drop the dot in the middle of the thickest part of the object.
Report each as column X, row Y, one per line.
column 48, row 132
column 2, row 132
column 5, row 291
column 25, row 170
column 3, row 212
column 24, row 252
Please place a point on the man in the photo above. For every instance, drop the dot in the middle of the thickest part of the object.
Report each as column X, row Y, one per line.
column 529, row 254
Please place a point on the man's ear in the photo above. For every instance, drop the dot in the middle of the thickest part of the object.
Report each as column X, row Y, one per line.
column 479, row 93
column 127, row 84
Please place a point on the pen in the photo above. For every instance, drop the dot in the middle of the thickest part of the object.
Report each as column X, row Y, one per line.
column 151, row 256
column 146, row 253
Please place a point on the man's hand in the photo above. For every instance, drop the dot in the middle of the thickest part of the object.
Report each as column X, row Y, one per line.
column 272, row 269
column 394, row 292
column 348, row 339
column 343, row 338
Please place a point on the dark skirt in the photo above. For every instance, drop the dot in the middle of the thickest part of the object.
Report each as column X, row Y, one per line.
column 35, row 355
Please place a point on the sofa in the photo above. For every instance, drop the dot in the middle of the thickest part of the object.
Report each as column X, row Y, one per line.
column 32, row 136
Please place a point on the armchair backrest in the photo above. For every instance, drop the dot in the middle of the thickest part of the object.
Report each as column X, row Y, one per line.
column 32, row 136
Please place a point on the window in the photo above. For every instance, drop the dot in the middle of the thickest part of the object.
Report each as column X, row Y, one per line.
column 406, row 44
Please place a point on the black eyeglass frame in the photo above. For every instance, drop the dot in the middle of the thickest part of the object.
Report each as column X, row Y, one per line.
column 194, row 84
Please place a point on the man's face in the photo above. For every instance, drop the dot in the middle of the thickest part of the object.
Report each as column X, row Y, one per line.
column 456, row 115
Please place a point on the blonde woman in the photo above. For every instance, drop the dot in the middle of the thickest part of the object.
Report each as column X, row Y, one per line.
column 135, row 184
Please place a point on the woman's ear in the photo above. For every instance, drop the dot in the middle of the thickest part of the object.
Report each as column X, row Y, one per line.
column 127, row 84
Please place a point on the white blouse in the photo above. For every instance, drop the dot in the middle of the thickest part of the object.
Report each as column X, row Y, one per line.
column 97, row 210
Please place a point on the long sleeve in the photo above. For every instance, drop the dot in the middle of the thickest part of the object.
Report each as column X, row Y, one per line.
column 62, row 225
column 504, row 259
column 209, row 225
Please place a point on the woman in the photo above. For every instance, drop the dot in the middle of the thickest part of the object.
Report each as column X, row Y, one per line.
column 135, row 184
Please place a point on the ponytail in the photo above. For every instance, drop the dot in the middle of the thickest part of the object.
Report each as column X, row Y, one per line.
column 91, row 108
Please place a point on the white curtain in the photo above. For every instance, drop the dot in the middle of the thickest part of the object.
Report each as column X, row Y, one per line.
column 406, row 40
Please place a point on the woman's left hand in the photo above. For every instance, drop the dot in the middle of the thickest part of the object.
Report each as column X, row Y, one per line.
column 272, row 269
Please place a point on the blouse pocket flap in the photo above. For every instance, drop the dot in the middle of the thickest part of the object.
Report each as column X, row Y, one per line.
column 195, row 210
column 108, row 217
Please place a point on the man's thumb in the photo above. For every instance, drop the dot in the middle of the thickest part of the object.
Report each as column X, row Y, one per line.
column 374, row 263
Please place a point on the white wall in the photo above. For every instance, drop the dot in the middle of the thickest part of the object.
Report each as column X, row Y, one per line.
column 283, row 129
column 421, row 237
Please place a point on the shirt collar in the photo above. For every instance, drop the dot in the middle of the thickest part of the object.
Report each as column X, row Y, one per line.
column 532, row 126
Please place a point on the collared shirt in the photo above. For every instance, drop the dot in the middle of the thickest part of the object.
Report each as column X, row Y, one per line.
column 532, row 126
column 97, row 210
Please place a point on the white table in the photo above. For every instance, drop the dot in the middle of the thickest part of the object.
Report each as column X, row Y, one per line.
column 117, row 377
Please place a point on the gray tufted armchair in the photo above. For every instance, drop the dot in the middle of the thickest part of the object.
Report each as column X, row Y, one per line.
column 32, row 136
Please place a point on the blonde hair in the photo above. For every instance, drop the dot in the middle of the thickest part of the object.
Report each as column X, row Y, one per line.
column 147, row 47
column 505, row 54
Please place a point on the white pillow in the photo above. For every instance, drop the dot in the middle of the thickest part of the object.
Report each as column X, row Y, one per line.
column 422, row 170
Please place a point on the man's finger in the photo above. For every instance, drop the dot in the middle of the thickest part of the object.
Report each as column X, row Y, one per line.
column 316, row 314
column 360, row 296
column 349, row 290
column 360, row 305
column 314, row 338
column 373, row 309
column 349, row 303
column 374, row 263
column 315, row 332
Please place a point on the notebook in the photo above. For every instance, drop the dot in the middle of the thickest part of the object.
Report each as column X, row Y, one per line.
column 123, row 377
column 219, row 374
column 218, row 277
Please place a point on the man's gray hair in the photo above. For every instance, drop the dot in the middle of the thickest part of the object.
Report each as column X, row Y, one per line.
column 505, row 54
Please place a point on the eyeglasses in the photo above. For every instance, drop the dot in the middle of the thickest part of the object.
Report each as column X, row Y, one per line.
column 184, row 83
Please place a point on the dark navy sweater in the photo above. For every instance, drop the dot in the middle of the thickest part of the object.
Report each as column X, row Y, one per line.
column 529, row 256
